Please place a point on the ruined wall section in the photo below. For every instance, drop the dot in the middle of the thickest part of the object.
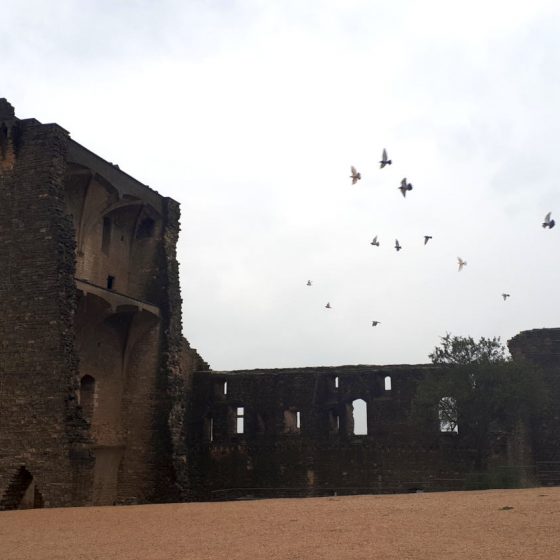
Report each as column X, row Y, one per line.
column 178, row 362
column 190, row 362
column 129, row 329
column 277, row 433
column 542, row 347
column 41, row 430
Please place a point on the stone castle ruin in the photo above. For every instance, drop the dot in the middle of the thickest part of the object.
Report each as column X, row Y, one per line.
column 102, row 400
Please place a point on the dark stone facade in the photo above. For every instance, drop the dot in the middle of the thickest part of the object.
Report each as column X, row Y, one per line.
column 299, row 434
column 92, row 361
column 103, row 401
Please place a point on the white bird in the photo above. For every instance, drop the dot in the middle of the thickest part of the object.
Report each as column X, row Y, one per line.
column 505, row 296
column 405, row 187
column 375, row 323
column 375, row 242
column 397, row 246
column 309, row 283
column 355, row 175
column 548, row 223
column 384, row 161
column 461, row 263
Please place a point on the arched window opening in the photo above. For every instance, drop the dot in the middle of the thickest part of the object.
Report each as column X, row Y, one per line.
column 359, row 417
column 388, row 385
column 448, row 418
column 292, row 421
column 336, row 382
column 225, row 388
column 87, row 396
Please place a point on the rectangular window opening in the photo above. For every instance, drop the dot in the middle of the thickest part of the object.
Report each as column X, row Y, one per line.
column 106, row 238
column 110, row 282
column 240, row 420
column 292, row 421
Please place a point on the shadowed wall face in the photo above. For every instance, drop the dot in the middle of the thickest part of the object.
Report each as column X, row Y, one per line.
column 121, row 304
column 91, row 339
column 41, row 429
column 351, row 429
column 316, row 431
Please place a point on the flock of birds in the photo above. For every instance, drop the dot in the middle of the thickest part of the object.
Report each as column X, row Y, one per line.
column 405, row 187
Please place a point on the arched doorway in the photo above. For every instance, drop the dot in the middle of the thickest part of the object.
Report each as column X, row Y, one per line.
column 22, row 492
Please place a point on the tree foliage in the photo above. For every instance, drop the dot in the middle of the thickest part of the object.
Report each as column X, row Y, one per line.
column 482, row 391
column 459, row 350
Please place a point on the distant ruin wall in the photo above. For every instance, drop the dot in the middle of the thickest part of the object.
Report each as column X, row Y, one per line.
column 275, row 433
column 299, row 434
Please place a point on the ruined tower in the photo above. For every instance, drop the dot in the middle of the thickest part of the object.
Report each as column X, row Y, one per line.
column 91, row 347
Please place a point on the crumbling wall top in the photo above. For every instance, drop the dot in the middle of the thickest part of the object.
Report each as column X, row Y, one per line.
column 6, row 109
column 541, row 346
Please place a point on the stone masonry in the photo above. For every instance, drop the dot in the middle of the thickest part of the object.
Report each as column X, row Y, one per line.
column 102, row 400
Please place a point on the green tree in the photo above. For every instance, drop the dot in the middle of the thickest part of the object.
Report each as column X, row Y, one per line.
column 481, row 394
column 460, row 350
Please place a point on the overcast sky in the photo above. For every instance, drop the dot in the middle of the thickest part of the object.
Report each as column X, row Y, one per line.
column 250, row 113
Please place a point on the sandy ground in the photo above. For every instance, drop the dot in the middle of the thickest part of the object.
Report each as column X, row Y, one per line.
column 496, row 524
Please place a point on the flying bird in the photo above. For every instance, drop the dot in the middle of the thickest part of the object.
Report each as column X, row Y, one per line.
column 397, row 246
column 328, row 306
column 384, row 161
column 405, row 187
column 355, row 175
column 461, row 263
column 426, row 239
column 375, row 242
column 309, row 283
column 505, row 296
column 548, row 223
column 375, row 323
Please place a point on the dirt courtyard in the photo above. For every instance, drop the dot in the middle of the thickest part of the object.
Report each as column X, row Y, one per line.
column 495, row 524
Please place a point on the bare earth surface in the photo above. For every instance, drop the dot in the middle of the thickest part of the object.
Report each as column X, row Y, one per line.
column 495, row 524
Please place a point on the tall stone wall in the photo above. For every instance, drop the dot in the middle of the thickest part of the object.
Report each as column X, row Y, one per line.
column 542, row 347
column 93, row 366
column 41, row 430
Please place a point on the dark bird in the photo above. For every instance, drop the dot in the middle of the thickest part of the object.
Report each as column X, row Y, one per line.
column 461, row 263
column 375, row 323
column 309, row 283
column 505, row 296
column 548, row 223
column 355, row 175
column 426, row 239
column 397, row 246
column 375, row 242
column 384, row 161
column 405, row 187
column 328, row 306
